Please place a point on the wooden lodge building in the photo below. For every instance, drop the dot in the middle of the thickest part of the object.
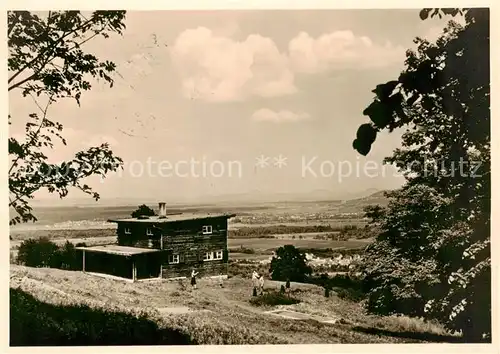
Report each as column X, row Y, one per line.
column 163, row 246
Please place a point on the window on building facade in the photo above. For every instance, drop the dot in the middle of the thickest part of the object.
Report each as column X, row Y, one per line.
column 207, row 229
column 173, row 258
column 208, row 256
column 212, row 256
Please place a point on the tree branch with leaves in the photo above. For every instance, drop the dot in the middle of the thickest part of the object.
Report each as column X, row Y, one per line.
column 47, row 60
column 433, row 257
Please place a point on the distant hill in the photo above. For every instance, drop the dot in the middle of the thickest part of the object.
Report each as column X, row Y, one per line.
column 357, row 205
column 257, row 196
column 371, row 196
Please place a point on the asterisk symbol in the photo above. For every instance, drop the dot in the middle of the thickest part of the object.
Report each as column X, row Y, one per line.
column 262, row 161
column 280, row 161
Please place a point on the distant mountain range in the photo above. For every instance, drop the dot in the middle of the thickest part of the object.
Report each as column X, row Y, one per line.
column 375, row 198
column 370, row 196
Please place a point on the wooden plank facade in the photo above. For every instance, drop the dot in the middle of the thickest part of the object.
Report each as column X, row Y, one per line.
column 182, row 243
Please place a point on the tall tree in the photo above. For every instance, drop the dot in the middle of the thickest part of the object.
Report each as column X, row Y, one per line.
column 289, row 264
column 432, row 257
column 47, row 62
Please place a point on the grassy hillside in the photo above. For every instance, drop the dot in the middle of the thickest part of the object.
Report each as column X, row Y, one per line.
column 209, row 315
column 36, row 323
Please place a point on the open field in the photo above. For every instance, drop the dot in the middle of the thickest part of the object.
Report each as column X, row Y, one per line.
column 267, row 231
column 214, row 315
column 268, row 244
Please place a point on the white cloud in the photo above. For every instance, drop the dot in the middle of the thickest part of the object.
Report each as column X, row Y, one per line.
column 340, row 50
column 217, row 68
column 269, row 115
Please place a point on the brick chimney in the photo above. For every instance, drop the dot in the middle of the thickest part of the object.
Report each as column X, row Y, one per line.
column 162, row 209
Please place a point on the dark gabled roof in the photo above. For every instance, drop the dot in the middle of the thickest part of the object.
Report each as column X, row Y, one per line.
column 174, row 218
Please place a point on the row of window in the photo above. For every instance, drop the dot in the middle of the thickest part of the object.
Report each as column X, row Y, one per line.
column 208, row 256
column 206, row 230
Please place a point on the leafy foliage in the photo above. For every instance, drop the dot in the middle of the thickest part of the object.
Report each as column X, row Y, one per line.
column 432, row 256
column 44, row 253
column 143, row 210
column 70, row 259
column 351, row 294
column 273, row 298
column 345, row 286
column 289, row 264
column 453, row 67
column 38, row 253
column 46, row 56
column 47, row 60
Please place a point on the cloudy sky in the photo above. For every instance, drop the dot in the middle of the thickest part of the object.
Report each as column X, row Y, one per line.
column 224, row 88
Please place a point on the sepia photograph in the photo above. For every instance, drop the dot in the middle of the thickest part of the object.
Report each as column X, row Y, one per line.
column 249, row 177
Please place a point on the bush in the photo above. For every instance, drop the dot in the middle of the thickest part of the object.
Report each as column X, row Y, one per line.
column 35, row 323
column 68, row 257
column 143, row 210
column 346, row 287
column 337, row 281
column 273, row 299
column 44, row 253
column 351, row 294
column 39, row 253
column 345, row 281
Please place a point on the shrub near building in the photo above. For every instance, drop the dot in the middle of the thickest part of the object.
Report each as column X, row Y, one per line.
column 42, row 252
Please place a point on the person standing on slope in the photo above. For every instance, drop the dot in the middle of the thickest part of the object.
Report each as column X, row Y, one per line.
column 255, row 281
column 193, row 278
